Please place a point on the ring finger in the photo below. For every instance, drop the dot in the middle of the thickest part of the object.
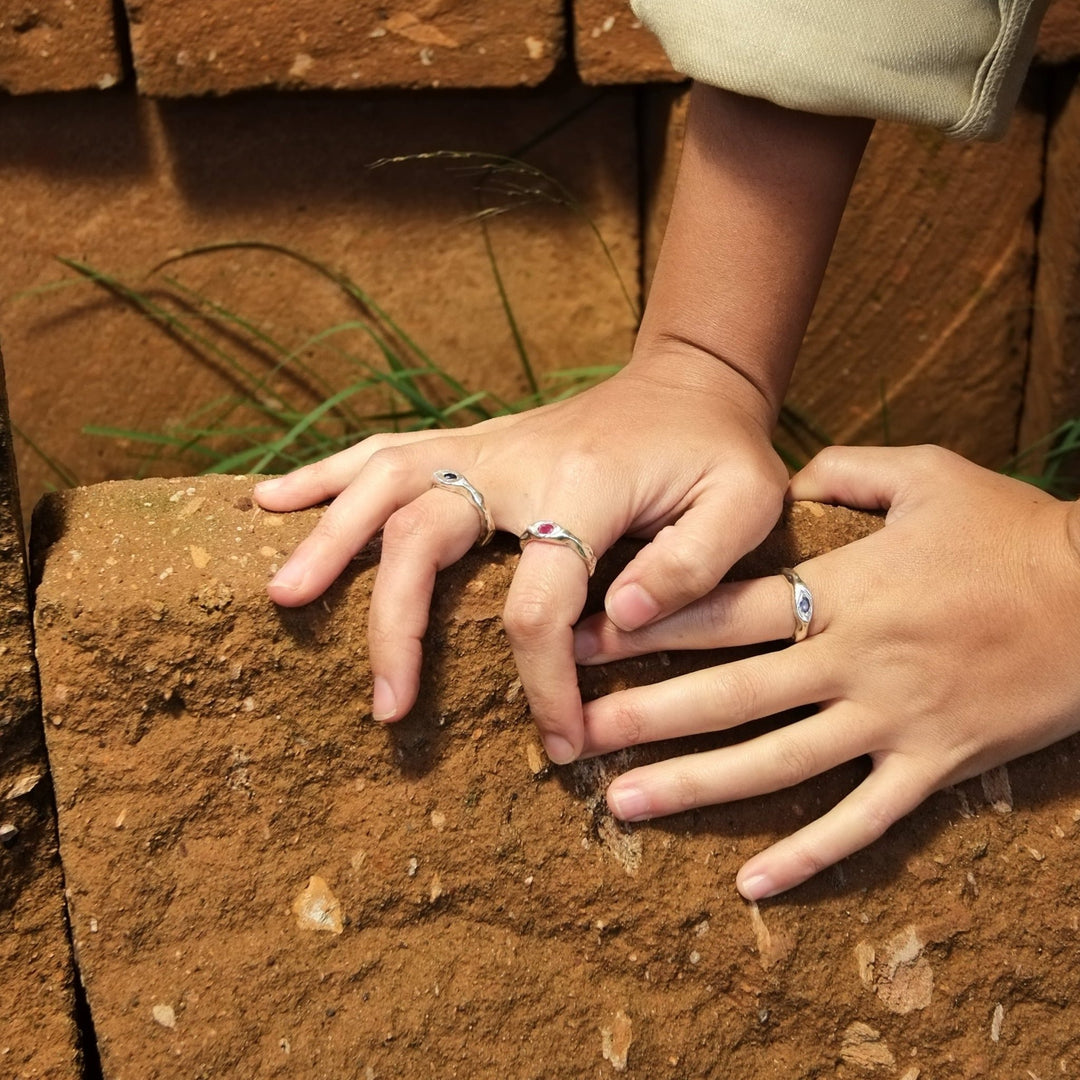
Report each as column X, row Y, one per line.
column 734, row 613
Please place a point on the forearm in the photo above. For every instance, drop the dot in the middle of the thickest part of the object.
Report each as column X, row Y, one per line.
column 757, row 204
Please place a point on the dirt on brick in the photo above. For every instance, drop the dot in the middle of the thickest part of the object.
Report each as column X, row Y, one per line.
column 37, row 1026
column 264, row 882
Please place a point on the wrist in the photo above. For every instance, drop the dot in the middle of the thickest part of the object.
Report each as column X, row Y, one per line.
column 688, row 368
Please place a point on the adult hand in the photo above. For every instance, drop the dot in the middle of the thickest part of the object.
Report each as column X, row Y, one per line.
column 940, row 646
column 676, row 449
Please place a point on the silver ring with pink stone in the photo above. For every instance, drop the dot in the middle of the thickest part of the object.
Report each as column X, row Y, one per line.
column 802, row 603
column 551, row 532
column 449, row 480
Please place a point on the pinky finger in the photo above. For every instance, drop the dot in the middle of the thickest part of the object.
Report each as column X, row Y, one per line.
column 891, row 791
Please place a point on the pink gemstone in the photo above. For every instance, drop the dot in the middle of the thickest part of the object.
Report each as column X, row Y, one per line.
column 546, row 529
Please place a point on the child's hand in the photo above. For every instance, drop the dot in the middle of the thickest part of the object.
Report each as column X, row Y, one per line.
column 940, row 646
column 685, row 459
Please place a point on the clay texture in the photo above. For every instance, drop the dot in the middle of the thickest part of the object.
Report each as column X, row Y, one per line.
column 266, row 883
column 37, row 1031
column 337, row 44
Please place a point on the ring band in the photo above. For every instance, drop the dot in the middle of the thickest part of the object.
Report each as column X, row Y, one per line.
column 553, row 533
column 454, row 481
column 802, row 603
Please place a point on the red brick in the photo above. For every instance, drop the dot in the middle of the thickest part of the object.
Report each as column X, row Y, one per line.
column 58, row 45
column 228, row 45
column 215, row 755
column 122, row 181
column 1052, row 393
column 37, row 1028
column 1059, row 39
column 611, row 46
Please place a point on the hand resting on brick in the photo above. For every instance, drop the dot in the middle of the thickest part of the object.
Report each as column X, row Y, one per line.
column 940, row 646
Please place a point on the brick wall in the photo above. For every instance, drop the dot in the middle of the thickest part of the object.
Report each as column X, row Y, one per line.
column 942, row 241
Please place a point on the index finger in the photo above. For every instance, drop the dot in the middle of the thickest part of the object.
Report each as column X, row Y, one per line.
column 545, row 599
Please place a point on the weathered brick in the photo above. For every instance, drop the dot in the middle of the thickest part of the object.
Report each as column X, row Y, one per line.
column 611, row 46
column 920, row 332
column 1052, row 391
column 58, row 45
column 224, row 793
column 341, row 44
column 37, row 1029
column 122, row 182
column 1059, row 37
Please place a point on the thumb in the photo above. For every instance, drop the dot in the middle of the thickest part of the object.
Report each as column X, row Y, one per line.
column 868, row 477
column 686, row 560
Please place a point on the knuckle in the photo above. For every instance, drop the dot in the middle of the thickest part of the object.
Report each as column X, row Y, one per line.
column 527, row 614
column 333, row 530
column 878, row 816
column 391, row 463
column 413, row 523
column 736, row 692
column 627, row 720
column 931, row 459
column 689, row 565
column 794, row 761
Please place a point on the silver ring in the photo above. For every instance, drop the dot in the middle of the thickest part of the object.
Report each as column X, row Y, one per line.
column 802, row 603
column 449, row 480
column 553, row 533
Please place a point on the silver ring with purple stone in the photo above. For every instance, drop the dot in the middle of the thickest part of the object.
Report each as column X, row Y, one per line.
column 802, row 603
column 449, row 480
column 552, row 532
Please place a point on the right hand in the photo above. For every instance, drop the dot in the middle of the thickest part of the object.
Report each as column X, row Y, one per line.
column 677, row 451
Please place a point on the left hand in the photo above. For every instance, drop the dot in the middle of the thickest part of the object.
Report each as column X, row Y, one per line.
column 940, row 646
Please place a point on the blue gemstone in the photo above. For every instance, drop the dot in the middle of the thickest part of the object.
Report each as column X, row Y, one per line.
column 805, row 605
column 451, row 476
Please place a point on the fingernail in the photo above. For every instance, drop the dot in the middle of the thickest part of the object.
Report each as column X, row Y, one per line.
column 268, row 486
column 559, row 749
column 383, row 701
column 757, row 887
column 586, row 645
column 288, row 577
column 628, row 803
column 631, row 607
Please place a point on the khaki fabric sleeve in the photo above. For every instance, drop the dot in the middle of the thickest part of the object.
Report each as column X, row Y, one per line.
column 956, row 65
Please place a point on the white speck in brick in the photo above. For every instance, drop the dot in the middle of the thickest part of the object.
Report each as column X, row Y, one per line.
column 427, row 57
column 182, row 58
column 106, row 81
column 301, row 65
column 609, row 23
column 535, row 48
column 165, row 1015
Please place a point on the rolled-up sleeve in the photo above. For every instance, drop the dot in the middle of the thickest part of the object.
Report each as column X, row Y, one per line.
column 956, row 65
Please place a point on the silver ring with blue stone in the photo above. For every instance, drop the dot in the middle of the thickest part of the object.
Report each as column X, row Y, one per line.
column 449, row 480
column 802, row 603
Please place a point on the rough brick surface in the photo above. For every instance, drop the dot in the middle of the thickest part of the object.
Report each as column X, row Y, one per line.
column 926, row 304
column 1053, row 384
column 611, row 46
column 341, row 44
column 266, row 883
column 37, row 1032
column 57, row 45
column 1059, row 39
column 122, row 182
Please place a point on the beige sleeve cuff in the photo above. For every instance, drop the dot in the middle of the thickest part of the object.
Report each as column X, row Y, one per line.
column 956, row 65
